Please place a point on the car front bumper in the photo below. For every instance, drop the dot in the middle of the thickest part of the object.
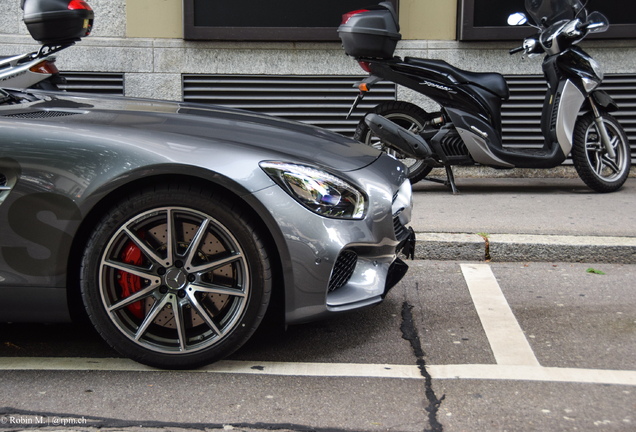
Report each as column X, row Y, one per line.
column 338, row 265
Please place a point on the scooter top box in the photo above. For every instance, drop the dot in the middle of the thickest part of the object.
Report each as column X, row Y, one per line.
column 370, row 33
column 57, row 22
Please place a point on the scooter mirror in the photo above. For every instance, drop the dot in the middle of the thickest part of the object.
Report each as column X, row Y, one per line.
column 517, row 19
column 598, row 23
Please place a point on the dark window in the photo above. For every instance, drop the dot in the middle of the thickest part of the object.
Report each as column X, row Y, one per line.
column 280, row 20
column 487, row 19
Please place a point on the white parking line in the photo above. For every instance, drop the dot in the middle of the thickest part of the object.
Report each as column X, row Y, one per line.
column 350, row 370
column 223, row 366
column 507, row 341
column 533, row 373
column 514, row 356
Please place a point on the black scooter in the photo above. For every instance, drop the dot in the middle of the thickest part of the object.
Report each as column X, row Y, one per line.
column 468, row 128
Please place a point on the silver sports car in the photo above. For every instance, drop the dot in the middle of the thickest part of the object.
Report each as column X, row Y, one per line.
column 175, row 226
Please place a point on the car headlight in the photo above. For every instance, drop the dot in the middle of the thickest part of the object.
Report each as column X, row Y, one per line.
column 319, row 191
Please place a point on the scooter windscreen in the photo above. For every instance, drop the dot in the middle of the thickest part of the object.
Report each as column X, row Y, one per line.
column 547, row 12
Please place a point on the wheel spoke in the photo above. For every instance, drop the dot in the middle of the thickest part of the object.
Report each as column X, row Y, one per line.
column 170, row 238
column 194, row 244
column 137, row 271
column 139, row 295
column 156, row 308
column 207, row 267
column 598, row 165
column 217, row 289
column 144, row 247
column 179, row 322
column 614, row 143
column 593, row 147
column 203, row 313
column 610, row 164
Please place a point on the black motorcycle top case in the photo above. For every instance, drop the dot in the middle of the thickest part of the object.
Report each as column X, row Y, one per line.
column 373, row 34
column 51, row 22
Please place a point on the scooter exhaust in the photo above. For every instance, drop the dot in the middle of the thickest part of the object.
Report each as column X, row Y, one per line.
column 398, row 138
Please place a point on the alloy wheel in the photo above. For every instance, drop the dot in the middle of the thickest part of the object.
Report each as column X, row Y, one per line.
column 174, row 280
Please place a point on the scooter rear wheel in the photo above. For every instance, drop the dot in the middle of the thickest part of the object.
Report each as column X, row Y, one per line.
column 410, row 117
column 595, row 167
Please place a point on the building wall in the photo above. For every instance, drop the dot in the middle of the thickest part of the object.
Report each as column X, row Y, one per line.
column 142, row 38
column 419, row 19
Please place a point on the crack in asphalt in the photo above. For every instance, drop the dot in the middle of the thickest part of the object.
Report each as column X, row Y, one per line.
column 409, row 333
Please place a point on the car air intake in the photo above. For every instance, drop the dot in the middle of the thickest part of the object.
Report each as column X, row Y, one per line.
column 342, row 270
column 400, row 230
column 41, row 114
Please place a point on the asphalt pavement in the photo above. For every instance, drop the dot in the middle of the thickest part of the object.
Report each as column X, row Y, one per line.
column 456, row 345
column 524, row 219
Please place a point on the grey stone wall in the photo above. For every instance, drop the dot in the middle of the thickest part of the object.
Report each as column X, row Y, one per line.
column 9, row 21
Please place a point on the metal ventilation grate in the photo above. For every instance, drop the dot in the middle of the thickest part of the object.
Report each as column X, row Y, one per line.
column 94, row 83
column 41, row 114
column 400, row 230
column 317, row 100
column 522, row 113
column 343, row 270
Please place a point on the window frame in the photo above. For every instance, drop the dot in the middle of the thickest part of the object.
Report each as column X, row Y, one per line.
column 274, row 34
column 466, row 31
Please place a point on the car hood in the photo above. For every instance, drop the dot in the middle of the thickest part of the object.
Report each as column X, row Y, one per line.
column 214, row 124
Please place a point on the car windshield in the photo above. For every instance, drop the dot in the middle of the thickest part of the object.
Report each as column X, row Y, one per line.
column 547, row 12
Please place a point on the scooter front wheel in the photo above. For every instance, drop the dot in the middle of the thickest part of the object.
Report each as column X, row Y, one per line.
column 409, row 116
column 592, row 162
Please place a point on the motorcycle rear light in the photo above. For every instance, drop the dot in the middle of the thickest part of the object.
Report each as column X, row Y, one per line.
column 346, row 17
column 45, row 67
column 78, row 4
column 365, row 65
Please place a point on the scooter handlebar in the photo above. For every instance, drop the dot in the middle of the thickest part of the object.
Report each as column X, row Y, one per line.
column 516, row 50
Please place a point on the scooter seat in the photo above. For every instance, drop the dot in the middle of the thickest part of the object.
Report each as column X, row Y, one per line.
column 492, row 82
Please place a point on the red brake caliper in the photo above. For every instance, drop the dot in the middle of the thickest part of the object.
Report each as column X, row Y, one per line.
column 129, row 282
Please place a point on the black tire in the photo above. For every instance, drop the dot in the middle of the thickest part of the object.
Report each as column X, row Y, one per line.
column 410, row 117
column 208, row 264
column 590, row 158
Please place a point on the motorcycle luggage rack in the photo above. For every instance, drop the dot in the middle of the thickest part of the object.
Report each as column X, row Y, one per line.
column 47, row 50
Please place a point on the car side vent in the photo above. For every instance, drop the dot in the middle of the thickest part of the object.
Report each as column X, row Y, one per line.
column 41, row 114
column 3, row 180
column 322, row 101
column 521, row 114
column 401, row 232
column 343, row 270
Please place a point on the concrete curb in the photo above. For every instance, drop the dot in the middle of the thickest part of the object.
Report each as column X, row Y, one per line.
column 484, row 172
column 522, row 247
